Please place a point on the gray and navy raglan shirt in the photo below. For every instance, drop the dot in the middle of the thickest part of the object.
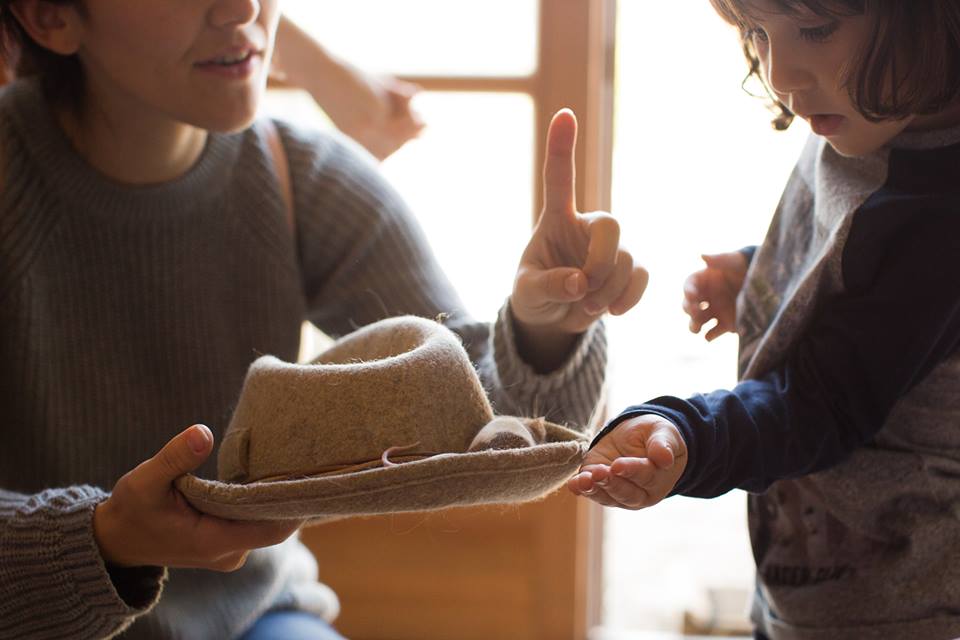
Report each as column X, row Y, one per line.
column 845, row 427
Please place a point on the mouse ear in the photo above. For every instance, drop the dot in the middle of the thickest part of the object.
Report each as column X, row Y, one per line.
column 506, row 432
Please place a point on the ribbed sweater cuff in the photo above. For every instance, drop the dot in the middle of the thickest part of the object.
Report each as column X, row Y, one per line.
column 53, row 581
column 574, row 389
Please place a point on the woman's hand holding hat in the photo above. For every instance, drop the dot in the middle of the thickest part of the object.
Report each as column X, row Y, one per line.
column 573, row 269
column 146, row 521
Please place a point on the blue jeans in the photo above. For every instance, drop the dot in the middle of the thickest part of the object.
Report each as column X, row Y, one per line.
column 290, row 625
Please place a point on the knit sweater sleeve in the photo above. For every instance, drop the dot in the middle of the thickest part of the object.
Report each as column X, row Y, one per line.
column 364, row 257
column 53, row 580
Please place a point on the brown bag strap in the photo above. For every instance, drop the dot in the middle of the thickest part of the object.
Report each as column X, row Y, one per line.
column 282, row 169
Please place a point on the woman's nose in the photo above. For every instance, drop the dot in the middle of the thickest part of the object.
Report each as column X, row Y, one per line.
column 234, row 13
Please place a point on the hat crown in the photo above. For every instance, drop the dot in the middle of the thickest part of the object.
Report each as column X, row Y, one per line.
column 394, row 383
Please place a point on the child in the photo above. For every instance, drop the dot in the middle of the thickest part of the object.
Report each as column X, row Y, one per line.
column 844, row 427
column 149, row 253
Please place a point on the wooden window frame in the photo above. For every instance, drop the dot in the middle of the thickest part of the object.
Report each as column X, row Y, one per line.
column 556, row 543
column 575, row 68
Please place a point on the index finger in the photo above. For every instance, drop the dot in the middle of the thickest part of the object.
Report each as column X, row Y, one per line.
column 559, row 167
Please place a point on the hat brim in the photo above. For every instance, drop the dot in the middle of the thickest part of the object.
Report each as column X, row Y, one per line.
column 438, row 482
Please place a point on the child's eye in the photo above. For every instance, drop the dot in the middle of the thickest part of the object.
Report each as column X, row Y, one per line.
column 821, row 33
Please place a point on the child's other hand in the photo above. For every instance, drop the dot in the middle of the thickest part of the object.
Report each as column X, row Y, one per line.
column 711, row 294
column 573, row 269
column 634, row 466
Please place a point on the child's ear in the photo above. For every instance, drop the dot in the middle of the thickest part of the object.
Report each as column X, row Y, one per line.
column 52, row 25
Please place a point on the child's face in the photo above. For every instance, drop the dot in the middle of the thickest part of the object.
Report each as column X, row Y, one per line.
column 805, row 59
column 200, row 62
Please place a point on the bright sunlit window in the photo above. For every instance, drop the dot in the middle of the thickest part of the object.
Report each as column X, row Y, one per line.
column 697, row 169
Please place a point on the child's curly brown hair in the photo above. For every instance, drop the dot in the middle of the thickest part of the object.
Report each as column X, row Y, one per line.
column 909, row 65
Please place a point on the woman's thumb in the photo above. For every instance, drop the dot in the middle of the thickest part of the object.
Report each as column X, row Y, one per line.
column 184, row 453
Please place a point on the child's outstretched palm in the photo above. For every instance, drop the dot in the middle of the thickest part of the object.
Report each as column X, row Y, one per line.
column 711, row 294
column 634, row 466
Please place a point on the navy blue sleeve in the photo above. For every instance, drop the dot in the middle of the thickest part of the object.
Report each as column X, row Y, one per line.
column 748, row 253
column 898, row 318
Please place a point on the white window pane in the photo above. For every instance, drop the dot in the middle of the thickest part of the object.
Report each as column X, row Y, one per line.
column 469, row 178
column 426, row 37
column 697, row 169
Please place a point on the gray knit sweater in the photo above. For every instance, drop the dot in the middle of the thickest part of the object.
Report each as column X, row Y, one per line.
column 127, row 314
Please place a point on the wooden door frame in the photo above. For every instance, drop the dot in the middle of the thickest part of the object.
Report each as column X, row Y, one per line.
column 575, row 68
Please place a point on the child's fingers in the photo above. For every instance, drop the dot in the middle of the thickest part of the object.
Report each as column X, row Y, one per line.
column 629, row 486
column 661, row 450
column 692, row 287
column 725, row 261
column 696, row 302
column 699, row 310
column 698, row 318
column 616, row 492
column 639, row 471
column 596, row 494
column 584, row 484
column 717, row 330
column 581, row 484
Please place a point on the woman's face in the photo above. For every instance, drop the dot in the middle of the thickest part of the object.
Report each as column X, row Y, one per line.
column 199, row 62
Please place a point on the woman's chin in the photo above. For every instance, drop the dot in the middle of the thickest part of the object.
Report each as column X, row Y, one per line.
column 225, row 122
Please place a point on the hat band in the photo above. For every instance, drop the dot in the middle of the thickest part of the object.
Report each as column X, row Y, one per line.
column 386, row 459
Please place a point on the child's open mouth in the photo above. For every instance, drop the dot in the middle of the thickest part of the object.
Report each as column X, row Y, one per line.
column 826, row 124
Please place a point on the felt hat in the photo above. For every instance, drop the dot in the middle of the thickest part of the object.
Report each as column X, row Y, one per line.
column 391, row 418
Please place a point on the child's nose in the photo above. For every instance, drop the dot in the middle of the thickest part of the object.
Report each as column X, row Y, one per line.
column 786, row 72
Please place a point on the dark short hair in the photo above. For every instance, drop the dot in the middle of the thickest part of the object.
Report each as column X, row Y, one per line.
column 909, row 64
column 61, row 76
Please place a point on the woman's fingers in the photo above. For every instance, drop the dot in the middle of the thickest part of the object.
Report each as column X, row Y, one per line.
column 538, row 288
column 603, row 248
column 216, row 536
column 639, row 278
column 612, row 288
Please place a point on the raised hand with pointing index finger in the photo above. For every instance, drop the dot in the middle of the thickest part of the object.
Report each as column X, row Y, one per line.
column 573, row 269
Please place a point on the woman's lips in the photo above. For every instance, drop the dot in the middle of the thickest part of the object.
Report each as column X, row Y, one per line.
column 237, row 65
column 826, row 124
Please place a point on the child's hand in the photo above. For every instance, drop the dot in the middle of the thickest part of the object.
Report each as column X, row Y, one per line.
column 573, row 270
column 634, row 466
column 712, row 293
